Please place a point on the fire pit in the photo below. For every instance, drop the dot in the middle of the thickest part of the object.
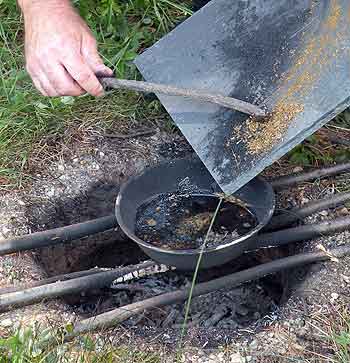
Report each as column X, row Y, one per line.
column 129, row 294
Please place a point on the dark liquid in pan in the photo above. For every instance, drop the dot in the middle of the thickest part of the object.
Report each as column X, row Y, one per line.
column 173, row 221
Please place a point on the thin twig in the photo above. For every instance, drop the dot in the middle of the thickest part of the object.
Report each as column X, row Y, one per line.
column 338, row 128
column 221, row 100
column 194, row 279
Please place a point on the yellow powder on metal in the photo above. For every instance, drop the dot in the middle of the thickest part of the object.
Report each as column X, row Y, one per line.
column 299, row 82
column 333, row 19
column 252, row 125
column 273, row 128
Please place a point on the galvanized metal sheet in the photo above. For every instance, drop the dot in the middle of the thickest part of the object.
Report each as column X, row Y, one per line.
column 292, row 56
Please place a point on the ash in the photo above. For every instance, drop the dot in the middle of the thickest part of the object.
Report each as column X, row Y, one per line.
column 185, row 186
column 214, row 318
column 221, row 310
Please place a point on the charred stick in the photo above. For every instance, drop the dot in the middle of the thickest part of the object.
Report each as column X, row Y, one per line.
column 300, row 233
column 131, row 287
column 50, row 280
column 287, row 180
column 58, row 235
column 116, row 316
column 288, row 217
column 61, row 288
column 99, row 280
column 218, row 99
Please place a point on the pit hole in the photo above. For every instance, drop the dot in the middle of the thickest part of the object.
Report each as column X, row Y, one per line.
column 215, row 318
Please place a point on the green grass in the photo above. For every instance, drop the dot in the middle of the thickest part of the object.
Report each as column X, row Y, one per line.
column 30, row 122
column 332, row 330
column 24, row 345
column 342, row 120
column 315, row 150
column 329, row 342
column 339, row 336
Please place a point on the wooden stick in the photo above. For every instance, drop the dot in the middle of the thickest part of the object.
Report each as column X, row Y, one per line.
column 300, row 233
column 221, row 100
column 61, row 288
column 57, row 235
column 288, row 180
column 290, row 216
column 101, row 279
column 50, row 280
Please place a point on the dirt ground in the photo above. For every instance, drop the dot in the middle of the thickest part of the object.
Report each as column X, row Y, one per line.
column 83, row 183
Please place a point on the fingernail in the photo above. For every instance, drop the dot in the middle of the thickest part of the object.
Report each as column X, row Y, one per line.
column 103, row 71
column 109, row 71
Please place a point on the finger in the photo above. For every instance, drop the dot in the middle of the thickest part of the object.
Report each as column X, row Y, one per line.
column 101, row 70
column 43, row 82
column 38, row 86
column 47, row 86
column 34, row 75
column 95, row 62
column 60, row 79
column 83, row 74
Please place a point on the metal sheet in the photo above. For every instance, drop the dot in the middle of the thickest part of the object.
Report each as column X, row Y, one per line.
column 261, row 51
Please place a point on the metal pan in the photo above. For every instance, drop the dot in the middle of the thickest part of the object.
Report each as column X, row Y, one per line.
column 258, row 194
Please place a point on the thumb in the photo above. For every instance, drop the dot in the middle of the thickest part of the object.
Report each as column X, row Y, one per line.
column 96, row 64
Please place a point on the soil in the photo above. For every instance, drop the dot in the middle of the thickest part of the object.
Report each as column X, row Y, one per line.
column 275, row 319
column 181, row 221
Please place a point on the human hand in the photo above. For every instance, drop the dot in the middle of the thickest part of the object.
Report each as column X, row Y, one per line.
column 61, row 52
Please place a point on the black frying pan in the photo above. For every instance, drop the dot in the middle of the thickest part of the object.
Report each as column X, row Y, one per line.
column 258, row 194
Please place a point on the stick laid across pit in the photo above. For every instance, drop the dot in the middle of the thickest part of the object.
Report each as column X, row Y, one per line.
column 281, row 182
column 116, row 316
column 57, row 288
column 79, row 230
column 32, row 295
column 289, row 216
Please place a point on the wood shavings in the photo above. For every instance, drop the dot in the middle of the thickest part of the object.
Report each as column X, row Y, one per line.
column 333, row 19
column 323, row 249
column 273, row 129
